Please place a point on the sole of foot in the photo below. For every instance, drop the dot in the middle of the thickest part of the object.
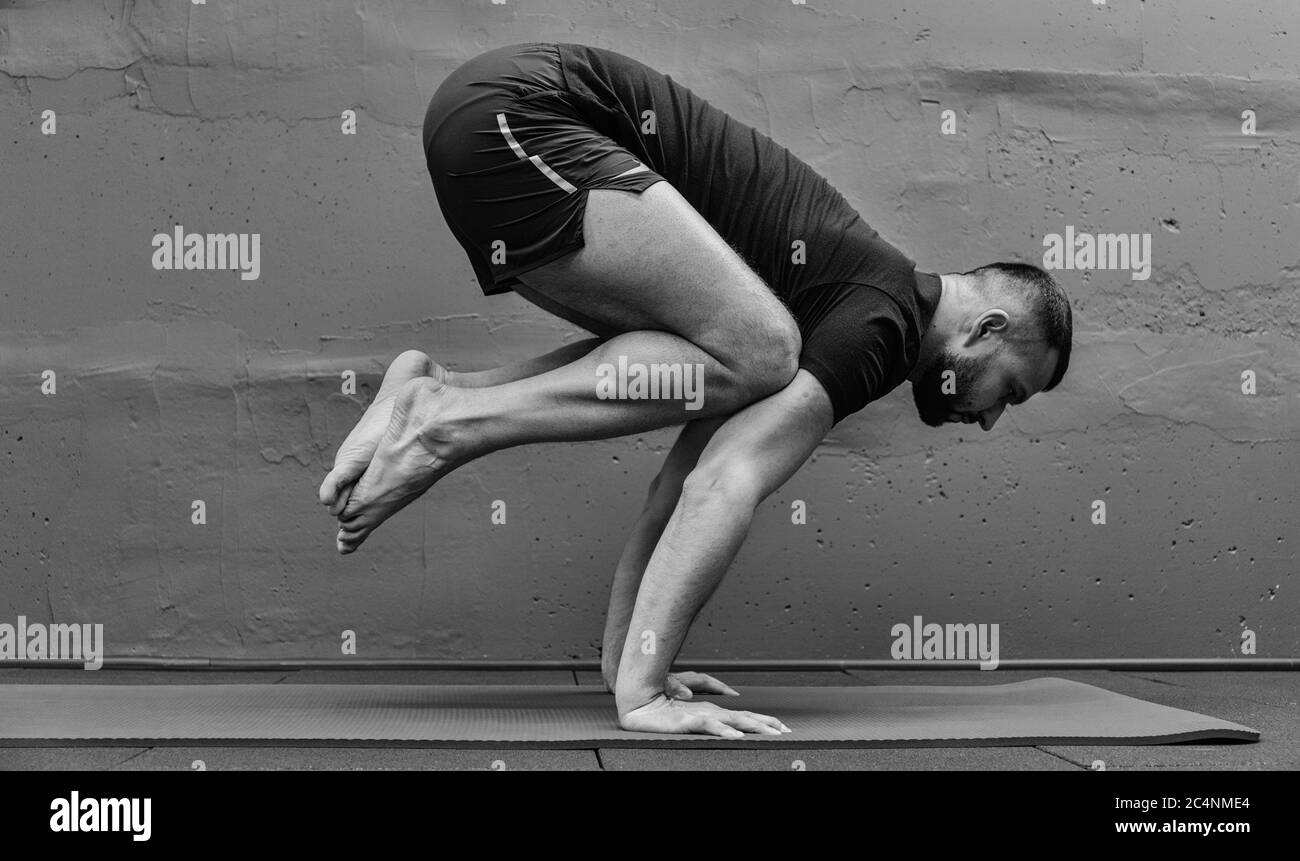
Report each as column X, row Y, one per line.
column 412, row 455
column 356, row 451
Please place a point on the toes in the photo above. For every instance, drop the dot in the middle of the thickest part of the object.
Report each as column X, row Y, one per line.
column 348, row 540
column 354, row 455
column 354, row 511
column 341, row 500
column 329, row 490
column 354, row 516
column 333, row 490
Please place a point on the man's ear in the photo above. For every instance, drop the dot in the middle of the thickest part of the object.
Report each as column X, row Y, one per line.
column 991, row 323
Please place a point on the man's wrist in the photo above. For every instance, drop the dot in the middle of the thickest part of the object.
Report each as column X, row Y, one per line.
column 629, row 698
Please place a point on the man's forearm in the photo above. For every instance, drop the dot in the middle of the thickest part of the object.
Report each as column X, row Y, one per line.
column 660, row 503
column 631, row 567
column 702, row 537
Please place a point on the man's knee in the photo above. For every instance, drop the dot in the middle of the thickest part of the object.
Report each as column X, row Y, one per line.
column 722, row 479
column 770, row 356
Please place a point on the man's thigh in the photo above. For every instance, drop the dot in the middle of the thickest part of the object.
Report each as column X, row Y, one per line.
column 651, row 261
column 600, row 328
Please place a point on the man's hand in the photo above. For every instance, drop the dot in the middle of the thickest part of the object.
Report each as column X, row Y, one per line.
column 663, row 714
column 747, row 458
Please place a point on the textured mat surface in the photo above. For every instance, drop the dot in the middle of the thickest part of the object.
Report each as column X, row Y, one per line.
column 1039, row 711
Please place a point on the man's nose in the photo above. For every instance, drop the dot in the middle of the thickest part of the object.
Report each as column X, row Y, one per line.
column 990, row 417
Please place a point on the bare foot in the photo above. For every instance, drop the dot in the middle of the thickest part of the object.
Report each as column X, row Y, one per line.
column 354, row 455
column 416, row 450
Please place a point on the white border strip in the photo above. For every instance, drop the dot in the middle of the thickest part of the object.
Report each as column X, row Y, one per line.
column 536, row 160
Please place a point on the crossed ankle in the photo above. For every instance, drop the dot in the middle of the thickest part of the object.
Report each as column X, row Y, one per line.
column 448, row 425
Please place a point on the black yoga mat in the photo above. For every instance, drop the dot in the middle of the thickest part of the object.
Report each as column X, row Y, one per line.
column 1040, row 711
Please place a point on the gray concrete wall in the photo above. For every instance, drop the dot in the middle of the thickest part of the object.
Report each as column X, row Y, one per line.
column 191, row 385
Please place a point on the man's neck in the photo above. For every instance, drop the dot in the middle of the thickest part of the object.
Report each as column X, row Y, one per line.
column 930, row 293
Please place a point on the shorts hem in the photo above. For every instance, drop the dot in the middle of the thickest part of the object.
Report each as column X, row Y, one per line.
column 504, row 283
column 636, row 183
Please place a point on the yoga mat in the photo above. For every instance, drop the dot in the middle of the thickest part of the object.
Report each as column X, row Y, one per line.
column 1040, row 711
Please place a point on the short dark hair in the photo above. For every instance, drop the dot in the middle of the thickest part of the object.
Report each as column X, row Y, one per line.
column 1044, row 298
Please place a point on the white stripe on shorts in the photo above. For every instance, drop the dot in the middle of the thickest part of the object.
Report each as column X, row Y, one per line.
column 536, row 160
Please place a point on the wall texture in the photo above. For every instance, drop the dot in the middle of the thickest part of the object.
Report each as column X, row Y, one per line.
column 175, row 386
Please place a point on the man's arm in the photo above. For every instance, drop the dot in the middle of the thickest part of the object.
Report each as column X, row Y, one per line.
column 659, row 505
column 752, row 454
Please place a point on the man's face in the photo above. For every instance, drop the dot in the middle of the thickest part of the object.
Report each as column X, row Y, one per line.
column 981, row 383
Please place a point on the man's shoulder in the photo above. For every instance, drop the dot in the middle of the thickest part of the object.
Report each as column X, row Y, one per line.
column 852, row 251
column 867, row 298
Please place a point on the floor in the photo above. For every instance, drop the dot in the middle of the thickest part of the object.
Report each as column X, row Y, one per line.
column 1266, row 701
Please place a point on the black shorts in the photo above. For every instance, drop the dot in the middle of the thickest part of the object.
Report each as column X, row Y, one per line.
column 512, row 153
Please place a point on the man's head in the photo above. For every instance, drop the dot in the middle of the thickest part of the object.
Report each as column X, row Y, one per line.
column 1000, row 334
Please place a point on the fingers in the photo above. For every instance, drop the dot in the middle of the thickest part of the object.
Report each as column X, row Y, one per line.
column 706, row 684
column 766, row 720
column 739, row 722
column 735, row 725
column 713, row 726
column 676, row 689
column 744, row 721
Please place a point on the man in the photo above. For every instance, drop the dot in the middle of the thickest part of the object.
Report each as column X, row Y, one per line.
column 613, row 197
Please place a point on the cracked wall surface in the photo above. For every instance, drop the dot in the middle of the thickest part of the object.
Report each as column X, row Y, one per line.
column 175, row 386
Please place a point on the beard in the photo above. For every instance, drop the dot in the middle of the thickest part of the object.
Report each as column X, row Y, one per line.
column 933, row 405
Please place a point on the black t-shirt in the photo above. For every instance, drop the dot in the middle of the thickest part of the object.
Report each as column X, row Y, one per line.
column 860, row 305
